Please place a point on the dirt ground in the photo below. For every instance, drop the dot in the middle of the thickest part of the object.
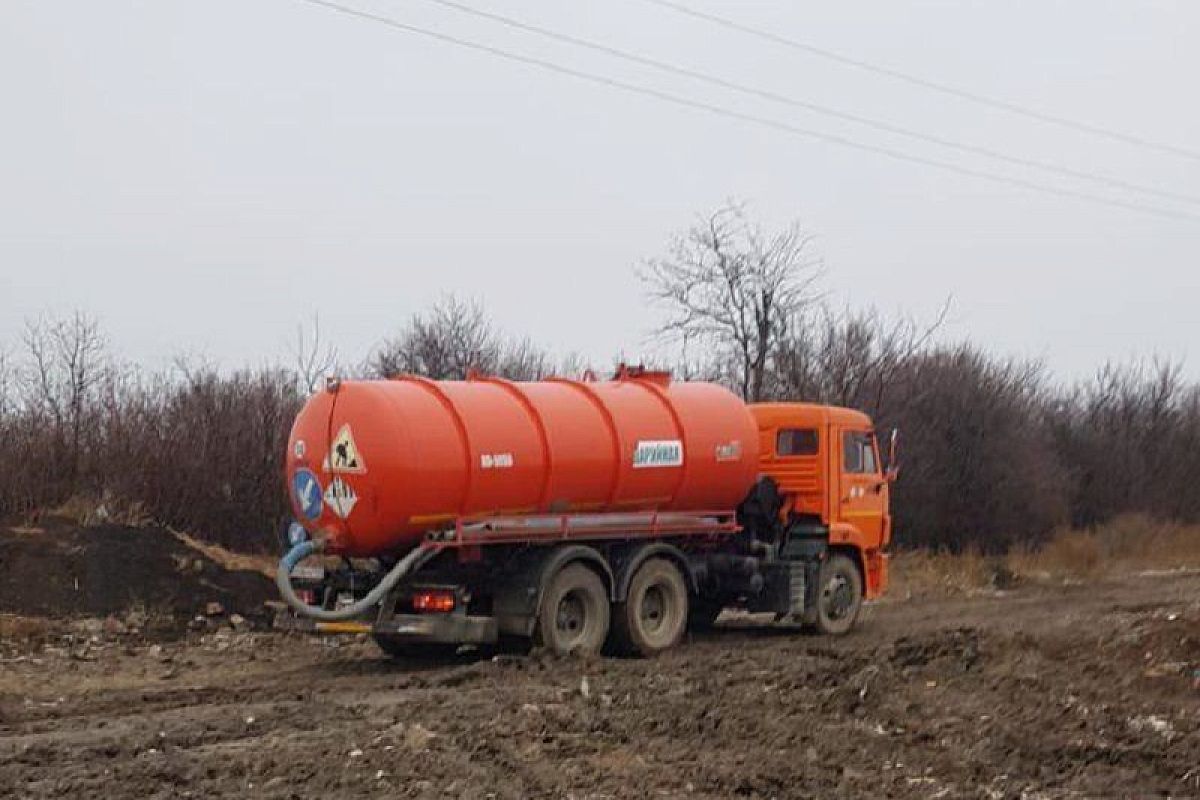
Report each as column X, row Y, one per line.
column 1041, row 692
column 147, row 579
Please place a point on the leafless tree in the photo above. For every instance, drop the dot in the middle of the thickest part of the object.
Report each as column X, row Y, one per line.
column 453, row 338
column 573, row 365
column 1132, row 438
column 847, row 358
column 732, row 288
column 522, row 360
column 7, row 379
column 68, row 360
column 313, row 359
column 979, row 467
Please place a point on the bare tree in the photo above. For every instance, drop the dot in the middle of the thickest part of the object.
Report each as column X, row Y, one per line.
column 522, row 360
column 848, row 358
column 67, row 362
column 732, row 288
column 7, row 379
column 980, row 469
column 313, row 359
column 1132, row 438
column 453, row 338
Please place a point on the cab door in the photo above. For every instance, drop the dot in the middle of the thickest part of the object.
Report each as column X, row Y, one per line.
column 862, row 491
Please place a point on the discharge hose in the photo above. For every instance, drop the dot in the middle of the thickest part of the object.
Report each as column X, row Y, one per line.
column 283, row 579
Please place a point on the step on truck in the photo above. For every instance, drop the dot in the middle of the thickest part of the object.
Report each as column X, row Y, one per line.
column 584, row 515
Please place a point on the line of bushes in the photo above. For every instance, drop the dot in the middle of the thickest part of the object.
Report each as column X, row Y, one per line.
column 993, row 453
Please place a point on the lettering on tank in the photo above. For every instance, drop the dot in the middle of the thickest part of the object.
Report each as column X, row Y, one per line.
column 658, row 453
column 729, row 451
column 496, row 460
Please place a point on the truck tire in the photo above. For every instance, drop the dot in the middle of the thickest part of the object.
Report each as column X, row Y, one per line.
column 654, row 615
column 574, row 614
column 839, row 595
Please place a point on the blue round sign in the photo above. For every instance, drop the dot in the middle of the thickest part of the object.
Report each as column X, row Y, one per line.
column 308, row 493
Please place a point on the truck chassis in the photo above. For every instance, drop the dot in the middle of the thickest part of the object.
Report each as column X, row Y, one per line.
column 628, row 583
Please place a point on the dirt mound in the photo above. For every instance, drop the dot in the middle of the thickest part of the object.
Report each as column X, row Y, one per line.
column 62, row 570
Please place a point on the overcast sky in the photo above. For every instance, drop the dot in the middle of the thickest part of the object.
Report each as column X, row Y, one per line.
column 204, row 174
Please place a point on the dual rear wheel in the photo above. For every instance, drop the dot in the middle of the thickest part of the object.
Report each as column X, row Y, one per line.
column 576, row 616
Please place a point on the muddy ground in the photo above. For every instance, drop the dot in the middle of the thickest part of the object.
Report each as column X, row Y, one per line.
column 1044, row 691
column 146, row 578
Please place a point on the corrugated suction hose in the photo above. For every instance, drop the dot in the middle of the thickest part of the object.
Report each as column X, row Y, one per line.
column 283, row 579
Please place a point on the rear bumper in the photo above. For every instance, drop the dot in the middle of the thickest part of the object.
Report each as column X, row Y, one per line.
column 442, row 628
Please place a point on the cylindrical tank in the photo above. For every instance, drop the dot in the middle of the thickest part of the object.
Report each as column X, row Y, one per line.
column 373, row 465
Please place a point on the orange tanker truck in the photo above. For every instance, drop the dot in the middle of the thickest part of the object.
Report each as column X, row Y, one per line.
column 581, row 514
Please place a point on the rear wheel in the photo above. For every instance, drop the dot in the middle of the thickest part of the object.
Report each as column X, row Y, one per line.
column 839, row 595
column 574, row 615
column 655, row 614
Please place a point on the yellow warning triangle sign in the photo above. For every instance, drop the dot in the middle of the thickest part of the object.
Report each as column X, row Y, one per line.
column 344, row 455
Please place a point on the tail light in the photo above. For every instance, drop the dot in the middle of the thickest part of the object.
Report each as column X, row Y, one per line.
column 433, row 601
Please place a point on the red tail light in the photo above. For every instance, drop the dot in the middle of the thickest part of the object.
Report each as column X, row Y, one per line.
column 433, row 601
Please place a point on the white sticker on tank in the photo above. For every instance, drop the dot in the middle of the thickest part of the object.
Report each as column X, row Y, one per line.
column 496, row 460
column 658, row 453
column 340, row 497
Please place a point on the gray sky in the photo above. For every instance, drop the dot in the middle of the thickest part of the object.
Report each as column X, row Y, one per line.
column 204, row 175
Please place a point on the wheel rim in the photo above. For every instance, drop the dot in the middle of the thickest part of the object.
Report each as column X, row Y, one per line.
column 653, row 610
column 571, row 617
column 838, row 597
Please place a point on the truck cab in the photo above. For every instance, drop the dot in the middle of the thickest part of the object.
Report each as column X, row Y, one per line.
column 833, row 486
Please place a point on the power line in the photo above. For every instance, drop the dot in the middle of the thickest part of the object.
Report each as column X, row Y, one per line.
column 645, row 91
column 925, row 83
column 870, row 122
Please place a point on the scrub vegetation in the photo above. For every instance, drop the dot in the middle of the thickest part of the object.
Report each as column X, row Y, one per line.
column 996, row 456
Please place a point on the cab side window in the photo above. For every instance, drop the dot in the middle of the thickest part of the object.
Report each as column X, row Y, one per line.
column 858, row 453
column 796, row 442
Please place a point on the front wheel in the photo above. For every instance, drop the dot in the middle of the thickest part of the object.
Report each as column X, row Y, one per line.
column 574, row 615
column 655, row 614
column 839, row 595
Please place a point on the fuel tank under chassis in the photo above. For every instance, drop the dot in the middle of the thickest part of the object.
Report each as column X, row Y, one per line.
column 373, row 465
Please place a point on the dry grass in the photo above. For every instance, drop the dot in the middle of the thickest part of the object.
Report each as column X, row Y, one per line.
column 1128, row 544
column 86, row 511
column 228, row 559
column 921, row 572
column 14, row 627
